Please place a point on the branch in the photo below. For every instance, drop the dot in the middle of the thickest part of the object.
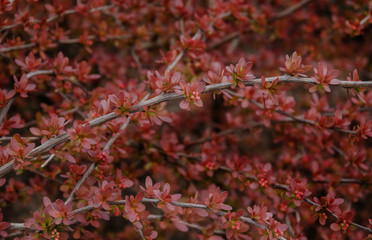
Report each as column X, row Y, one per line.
column 140, row 233
column 63, row 41
column 308, row 200
column 14, row 226
column 180, row 55
column 224, row 133
column 45, row 147
column 174, row 203
column 290, row 229
column 246, row 128
column 222, row 41
column 345, row 181
column 364, row 20
column 196, row 35
column 52, row 18
column 200, row 228
column 31, row 139
column 289, row 10
column 20, row 226
column 302, row 120
column 280, row 15
column 5, row 110
column 93, row 165
column 44, row 175
column 286, row 188
column 50, row 158
column 19, row 47
column 39, row 72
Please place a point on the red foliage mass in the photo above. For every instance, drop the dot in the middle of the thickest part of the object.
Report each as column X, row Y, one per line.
column 93, row 98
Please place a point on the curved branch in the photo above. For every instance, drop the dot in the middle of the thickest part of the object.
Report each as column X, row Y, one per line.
column 168, row 97
column 20, row 226
column 285, row 188
column 52, row 18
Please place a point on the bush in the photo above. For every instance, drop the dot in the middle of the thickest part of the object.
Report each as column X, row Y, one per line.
column 185, row 119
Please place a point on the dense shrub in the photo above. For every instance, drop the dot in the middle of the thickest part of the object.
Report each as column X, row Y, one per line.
column 134, row 119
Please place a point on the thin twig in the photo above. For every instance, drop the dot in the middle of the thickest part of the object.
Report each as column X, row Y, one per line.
column 140, row 233
column 222, row 41
column 39, row 72
column 226, row 132
column 196, row 36
column 365, row 19
column 68, row 99
column 291, row 116
column 93, row 165
column 280, row 15
column 137, row 61
column 115, row 136
column 200, row 228
column 344, row 181
column 72, row 110
column 288, row 222
column 5, row 110
column 108, row 145
column 31, row 139
column 48, row 160
column 289, row 10
column 80, row 85
column 80, row 182
column 44, row 175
